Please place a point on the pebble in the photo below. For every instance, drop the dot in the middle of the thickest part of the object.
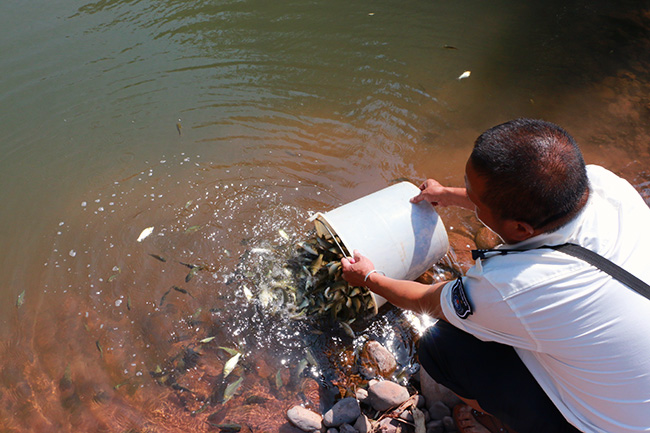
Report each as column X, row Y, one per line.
column 435, row 426
column 362, row 395
column 347, row 428
column 439, row 410
column 304, row 419
column 450, row 425
column 363, row 424
column 346, row 410
column 384, row 395
column 375, row 360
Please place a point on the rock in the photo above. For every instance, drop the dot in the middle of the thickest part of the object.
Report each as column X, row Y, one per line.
column 362, row 395
column 433, row 391
column 375, row 360
column 363, row 424
column 263, row 369
column 390, row 425
column 347, row 428
column 386, row 394
column 420, row 401
column 406, row 415
column 439, row 410
column 435, row 426
column 486, row 238
column 304, row 419
column 346, row 410
column 332, row 430
column 450, row 425
column 462, row 247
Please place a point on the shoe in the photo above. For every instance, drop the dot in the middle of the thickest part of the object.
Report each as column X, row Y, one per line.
column 469, row 420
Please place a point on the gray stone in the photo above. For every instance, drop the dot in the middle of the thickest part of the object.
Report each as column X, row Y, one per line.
column 450, row 425
column 406, row 415
column 346, row 410
column 439, row 410
column 420, row 401
column 362, row 395
column 385, row 395
column 332, row 430
column 363, row 424
column 375, row 360
column 433, row 391
column 347, row 428
column 304, row 419
column 435, row 426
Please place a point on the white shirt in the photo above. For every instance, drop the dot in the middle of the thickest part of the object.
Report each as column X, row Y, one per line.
column 584, row 336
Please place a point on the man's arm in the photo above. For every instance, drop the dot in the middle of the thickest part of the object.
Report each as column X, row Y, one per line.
column 438, row 195
column 410, row 295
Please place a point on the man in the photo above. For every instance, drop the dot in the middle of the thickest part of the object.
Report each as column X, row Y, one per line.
column 541, row 340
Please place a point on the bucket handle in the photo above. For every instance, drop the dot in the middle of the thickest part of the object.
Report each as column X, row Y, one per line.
column 332, row 235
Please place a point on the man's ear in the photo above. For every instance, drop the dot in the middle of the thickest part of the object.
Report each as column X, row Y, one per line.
column 518, row 230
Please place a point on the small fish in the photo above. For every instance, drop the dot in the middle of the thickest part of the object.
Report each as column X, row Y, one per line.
column 255, row 399
column 112, row 277
column 232, row 352
column 193, row 229
column 162, row 300
column 20, row 300
column 191, row 274
column 231, row 389
column 278, row 379
column 207, row 340
column 230, row 365
column 157, row 257
column 99, row 347
column 188, row 204
column 227, row 428
column 464, row 75
column 347, row 328
column 179, row 127
column 181, row 290
column 283, row 234
column 146, row 232
column 449, row 47
column 128, row 303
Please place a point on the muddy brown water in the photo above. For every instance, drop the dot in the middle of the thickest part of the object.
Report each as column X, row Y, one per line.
column 221, row 123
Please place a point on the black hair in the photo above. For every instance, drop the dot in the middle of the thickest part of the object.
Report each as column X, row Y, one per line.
column 534, row 171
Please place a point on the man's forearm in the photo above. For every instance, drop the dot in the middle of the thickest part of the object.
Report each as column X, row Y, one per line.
column 410, row 295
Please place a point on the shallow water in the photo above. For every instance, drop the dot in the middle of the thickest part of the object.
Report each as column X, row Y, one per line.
column 220, row 123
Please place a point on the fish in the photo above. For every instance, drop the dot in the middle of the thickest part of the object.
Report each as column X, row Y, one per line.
column 146, row 232
column 230, row 365
column 20, row 300
column 193, row 229
column 179, row 127
column 207, row 340
column 164, row 296
column 464, row 75
column 232, row 389
column 157, row 257
column 232, row 352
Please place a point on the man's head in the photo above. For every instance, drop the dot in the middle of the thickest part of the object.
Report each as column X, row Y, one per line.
column 529, row 172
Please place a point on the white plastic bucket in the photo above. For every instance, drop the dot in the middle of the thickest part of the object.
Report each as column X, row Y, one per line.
column 401, row 239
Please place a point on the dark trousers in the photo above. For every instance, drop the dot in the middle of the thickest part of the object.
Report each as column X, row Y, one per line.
column 492, row 374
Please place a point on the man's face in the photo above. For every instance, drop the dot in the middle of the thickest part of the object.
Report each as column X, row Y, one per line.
column 476, row 187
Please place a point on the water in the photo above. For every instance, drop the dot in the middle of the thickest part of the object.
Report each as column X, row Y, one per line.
column 218, row 123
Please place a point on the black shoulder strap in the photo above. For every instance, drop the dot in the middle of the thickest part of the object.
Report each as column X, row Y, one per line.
column 590, row 257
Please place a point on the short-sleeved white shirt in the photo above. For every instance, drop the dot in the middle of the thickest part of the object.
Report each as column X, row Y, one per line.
column 584, row 336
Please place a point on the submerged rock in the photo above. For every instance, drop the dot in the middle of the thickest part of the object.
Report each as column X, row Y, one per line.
column 375, row 360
